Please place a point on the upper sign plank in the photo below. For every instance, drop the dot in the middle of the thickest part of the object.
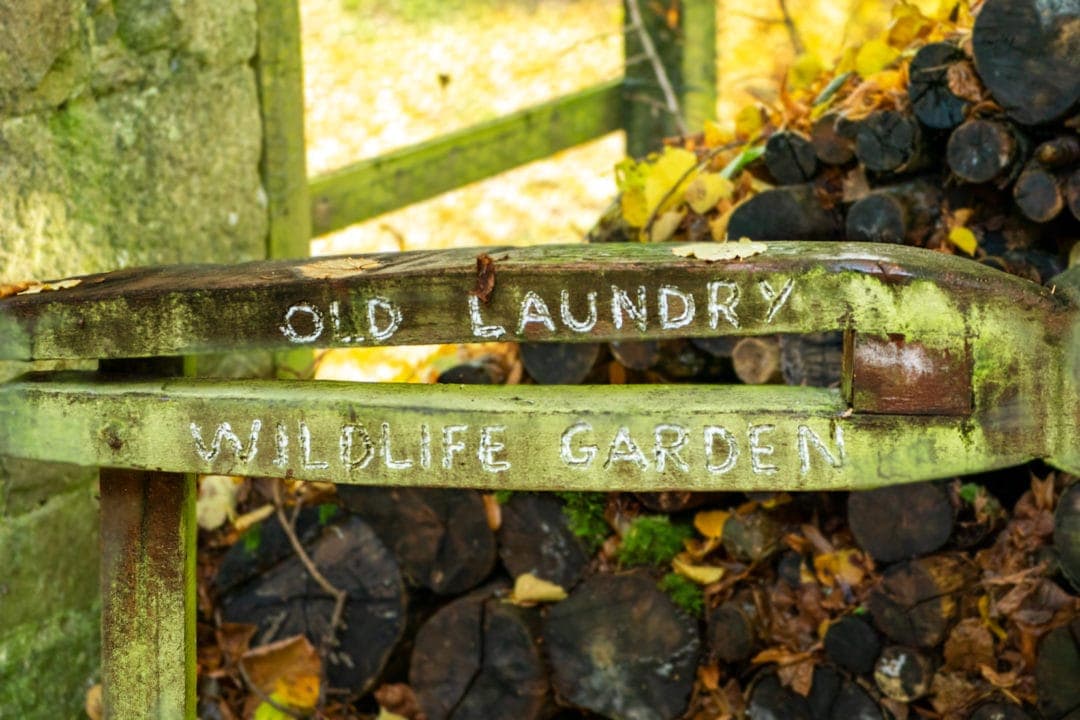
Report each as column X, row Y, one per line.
column 557, row 293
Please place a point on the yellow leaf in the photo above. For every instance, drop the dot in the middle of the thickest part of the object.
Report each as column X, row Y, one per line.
column 245, row 521
column 529, row 590
column 873, row 57
column 664, row 226
column 844, row 567
column 714, row 135
column 298, row 691
column 710, row 523
column 385, row 714
column 964, row 239
column 887, row 80
column 634, row 210
column 908, row 24
column 749, row 122
column 666, row 178
column 804, row 71
column 707, row 189
column 720, row 251
column 989, row 622
column 266, row 711
column 701, row 574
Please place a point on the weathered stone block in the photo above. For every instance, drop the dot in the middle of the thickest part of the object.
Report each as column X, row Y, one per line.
column 50, row 559
column 34, row 34
column 26, row 486
column 68, row 646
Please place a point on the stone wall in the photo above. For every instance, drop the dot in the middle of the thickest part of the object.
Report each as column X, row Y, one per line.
column 129, row 135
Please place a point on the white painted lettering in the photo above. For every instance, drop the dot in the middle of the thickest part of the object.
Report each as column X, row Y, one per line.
column 569, row 320
column 534, row 310
column 668, row 449
column 489, row 446
column 723, row 308
column 392, row 318
column 685, row 317
column 388, row 451
column 425, row 446
column 712, row 434
column 759, row 451
column 808, row 437
column 281, row 446
column 624, row 449
column 585, row 454
column 479, row 329
column 452, row 446
column 621, row 302
column 335, row 321
column 315, row 318
column 350, row 434
column 223, row 434
column 775, row 299
column 305, row 450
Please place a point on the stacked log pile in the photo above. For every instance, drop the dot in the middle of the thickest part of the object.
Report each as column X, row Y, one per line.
column 952, row 599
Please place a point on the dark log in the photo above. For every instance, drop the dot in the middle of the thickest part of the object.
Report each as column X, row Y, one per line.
column 262, row 547
column 917, row 601
column 681, row 360
column 1067, row 534
column 833, row 137
column 901, row 521
column 903, row 673
column 636, row 354
column 752, row 537
column 671, row 501
column 888, row 141
column 1072, row 193
column 731, row 635
column 833, row 697
column 982, row 150
column 1039, row 194
column 440, row 537
column 286, row 601
column 620, row 647
column 476, row 659
column 933, row 103
column 559, row 363
column 481, row 371
column 719, row 347
column 535, row 537
column 903, row 213
column 770, row 700
column 1059, row 152
column 813, row 359
column 790, row 158
column 757, row 360
column 1057, row 668
column 999, row 711
column 853, row 644
column 1026, row 53
column 792, row 212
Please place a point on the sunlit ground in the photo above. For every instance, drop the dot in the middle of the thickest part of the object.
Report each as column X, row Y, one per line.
column 383, row 74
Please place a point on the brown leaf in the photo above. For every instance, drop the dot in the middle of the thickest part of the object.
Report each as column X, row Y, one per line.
column 234, row 639
column 485, row 277
column 12, row 289
column 797, row 676
column 293, row 657
column 952, row 692
column 964, row 82
column 399, row 699
column 969, row 645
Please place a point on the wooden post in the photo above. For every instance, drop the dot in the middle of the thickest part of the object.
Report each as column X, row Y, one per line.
column 682, row 39
column 148, row 551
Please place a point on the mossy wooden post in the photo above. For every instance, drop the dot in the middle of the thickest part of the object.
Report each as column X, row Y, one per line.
column 148, row 555
column 279, row 67
column 684, row 36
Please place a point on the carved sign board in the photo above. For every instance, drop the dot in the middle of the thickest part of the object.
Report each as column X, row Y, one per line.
column 519, row 437
column 558, row 293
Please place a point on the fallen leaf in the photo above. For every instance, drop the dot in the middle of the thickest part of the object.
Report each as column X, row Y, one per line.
column 964, row 239
column 9, row 289
column 846, row 567
column 701, row 574
column 492, row 511
column 710, row 523
column 874, row 56
column 95, row 710
column 217, row 500
column 485, row 278
column 530, row 590
column 247, row 520
column 718, row 252
column 664, row 226
column 705, row 190
column 337, row 267
column 288, row 671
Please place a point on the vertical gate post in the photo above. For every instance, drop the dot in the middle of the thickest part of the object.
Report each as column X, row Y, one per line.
column 684, row 41
column 147, row 594
column 148, row 553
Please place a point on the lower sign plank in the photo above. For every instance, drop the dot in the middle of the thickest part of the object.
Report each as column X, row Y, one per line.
column 516, row 437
